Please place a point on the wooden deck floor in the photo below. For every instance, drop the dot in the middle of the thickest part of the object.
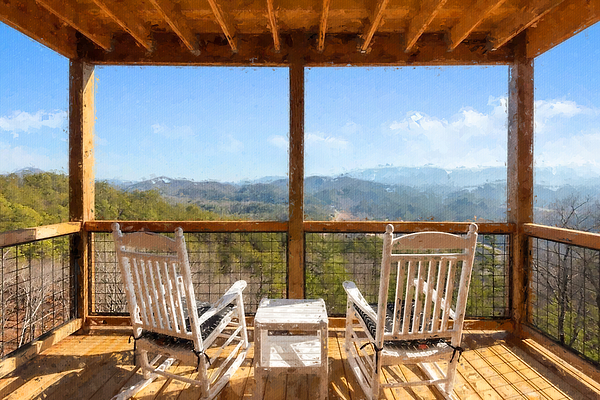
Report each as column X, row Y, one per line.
column 99, row 366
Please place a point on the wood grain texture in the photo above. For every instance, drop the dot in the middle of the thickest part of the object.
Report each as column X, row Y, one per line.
column 495, row 365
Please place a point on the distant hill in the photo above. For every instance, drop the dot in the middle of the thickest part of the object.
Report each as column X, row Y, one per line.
column 469, row 177
column 395, row 193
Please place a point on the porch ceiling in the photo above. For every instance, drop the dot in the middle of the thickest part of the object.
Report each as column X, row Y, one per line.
column 276, row 32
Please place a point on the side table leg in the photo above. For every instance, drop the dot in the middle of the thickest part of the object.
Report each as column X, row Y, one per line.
column 324, row 380
column 259, row 387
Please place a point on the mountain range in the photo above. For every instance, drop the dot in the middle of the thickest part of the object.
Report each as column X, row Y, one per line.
column 385, row 192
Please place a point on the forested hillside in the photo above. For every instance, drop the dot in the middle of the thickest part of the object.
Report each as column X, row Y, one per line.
column 28, row 200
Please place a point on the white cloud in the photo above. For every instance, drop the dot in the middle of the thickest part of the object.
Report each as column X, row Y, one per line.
column 172, row 132
column 548, row 109
column 549, row 112
column 470, row 138
column 351, row 128
column 281, row 142
column 577, row 150
column 232, row 145
column 323, row 141
column 22, row 121
column 15, row 158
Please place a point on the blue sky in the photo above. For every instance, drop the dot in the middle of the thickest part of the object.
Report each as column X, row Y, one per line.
column 231, row 124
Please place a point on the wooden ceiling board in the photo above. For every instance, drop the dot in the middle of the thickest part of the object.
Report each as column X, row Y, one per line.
column 349, row 27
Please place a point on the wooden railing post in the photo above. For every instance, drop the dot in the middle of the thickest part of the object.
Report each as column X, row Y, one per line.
column 520, row 176
column 81, row 171
column 296, row 183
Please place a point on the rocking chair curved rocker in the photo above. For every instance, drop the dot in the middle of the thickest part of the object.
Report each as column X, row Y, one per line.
column 166, row 319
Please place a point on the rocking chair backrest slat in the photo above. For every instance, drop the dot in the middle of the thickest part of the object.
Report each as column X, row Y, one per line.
column 425, row 300
column 158, row 284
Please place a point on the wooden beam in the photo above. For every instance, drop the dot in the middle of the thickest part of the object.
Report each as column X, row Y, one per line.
column 562, row 235
column 375, row 22
column 258, row 50
column 561, row 23
column 188, row 226
column 225, row 24
column 470, row 20
column 72, row 13
column 12, row 238
column 31, row 20
column 81, row 141
column 498, row 228
column 520, row 176
column 296, row 284
column 419, row 23
column 81, row 171
column 127, row 15
column 171, row 13
column 323, row 25
column 273, row 25
column 517, row 22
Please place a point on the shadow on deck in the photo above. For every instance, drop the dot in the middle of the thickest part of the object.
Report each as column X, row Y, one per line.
column 100, row 364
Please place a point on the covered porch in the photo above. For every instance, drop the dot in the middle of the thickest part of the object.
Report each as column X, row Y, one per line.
column 516, row 349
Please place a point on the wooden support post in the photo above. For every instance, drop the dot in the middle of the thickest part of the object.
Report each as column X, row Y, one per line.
column 520, row 176
column 81, row 171
column 296, row 183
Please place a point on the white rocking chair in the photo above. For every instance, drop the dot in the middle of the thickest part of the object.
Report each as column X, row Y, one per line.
column 423, row 322
column 166, row 319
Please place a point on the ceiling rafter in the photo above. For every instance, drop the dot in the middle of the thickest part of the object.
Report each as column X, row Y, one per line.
column 127, row 15
column 71, row 13
column 323, row 25
column 419, row 23
column 376, row 18
column 171, row 13
column 478, row 12
column 27, row 17
column 561, row 23
column 519, row 21
column 225, row 24
column 273, row 24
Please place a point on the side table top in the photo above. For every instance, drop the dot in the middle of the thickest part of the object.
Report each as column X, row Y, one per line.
column 291, row 311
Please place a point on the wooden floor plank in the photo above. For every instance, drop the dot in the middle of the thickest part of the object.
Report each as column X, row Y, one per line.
column 355, row 392
column 99, row 366
column 338, row 387
column 239, row 382
column 97, row 371
column 55, row 370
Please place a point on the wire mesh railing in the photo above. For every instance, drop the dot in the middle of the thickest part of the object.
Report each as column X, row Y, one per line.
column 332, row 258
column 217, row 260
column 565, row 295
column 38, row 290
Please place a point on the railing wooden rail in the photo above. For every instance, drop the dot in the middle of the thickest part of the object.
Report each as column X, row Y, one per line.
column 21, row 236
column 189, row 226
column 309, row 226
column 561, row 235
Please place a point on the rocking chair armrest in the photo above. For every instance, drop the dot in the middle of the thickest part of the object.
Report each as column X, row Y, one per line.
column 229, row 297
column 356, row 297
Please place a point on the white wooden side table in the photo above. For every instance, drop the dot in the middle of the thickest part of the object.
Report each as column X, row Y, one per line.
column 290, row 336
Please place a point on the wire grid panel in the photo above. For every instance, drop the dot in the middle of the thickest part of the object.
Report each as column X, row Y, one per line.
column 332, row 258
column 38, row 290
column 217, row 260
column 565, row 295
column 489, row 289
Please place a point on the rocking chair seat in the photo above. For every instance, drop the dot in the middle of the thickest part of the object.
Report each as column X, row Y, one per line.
column 206, row 329
column 405, row 349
